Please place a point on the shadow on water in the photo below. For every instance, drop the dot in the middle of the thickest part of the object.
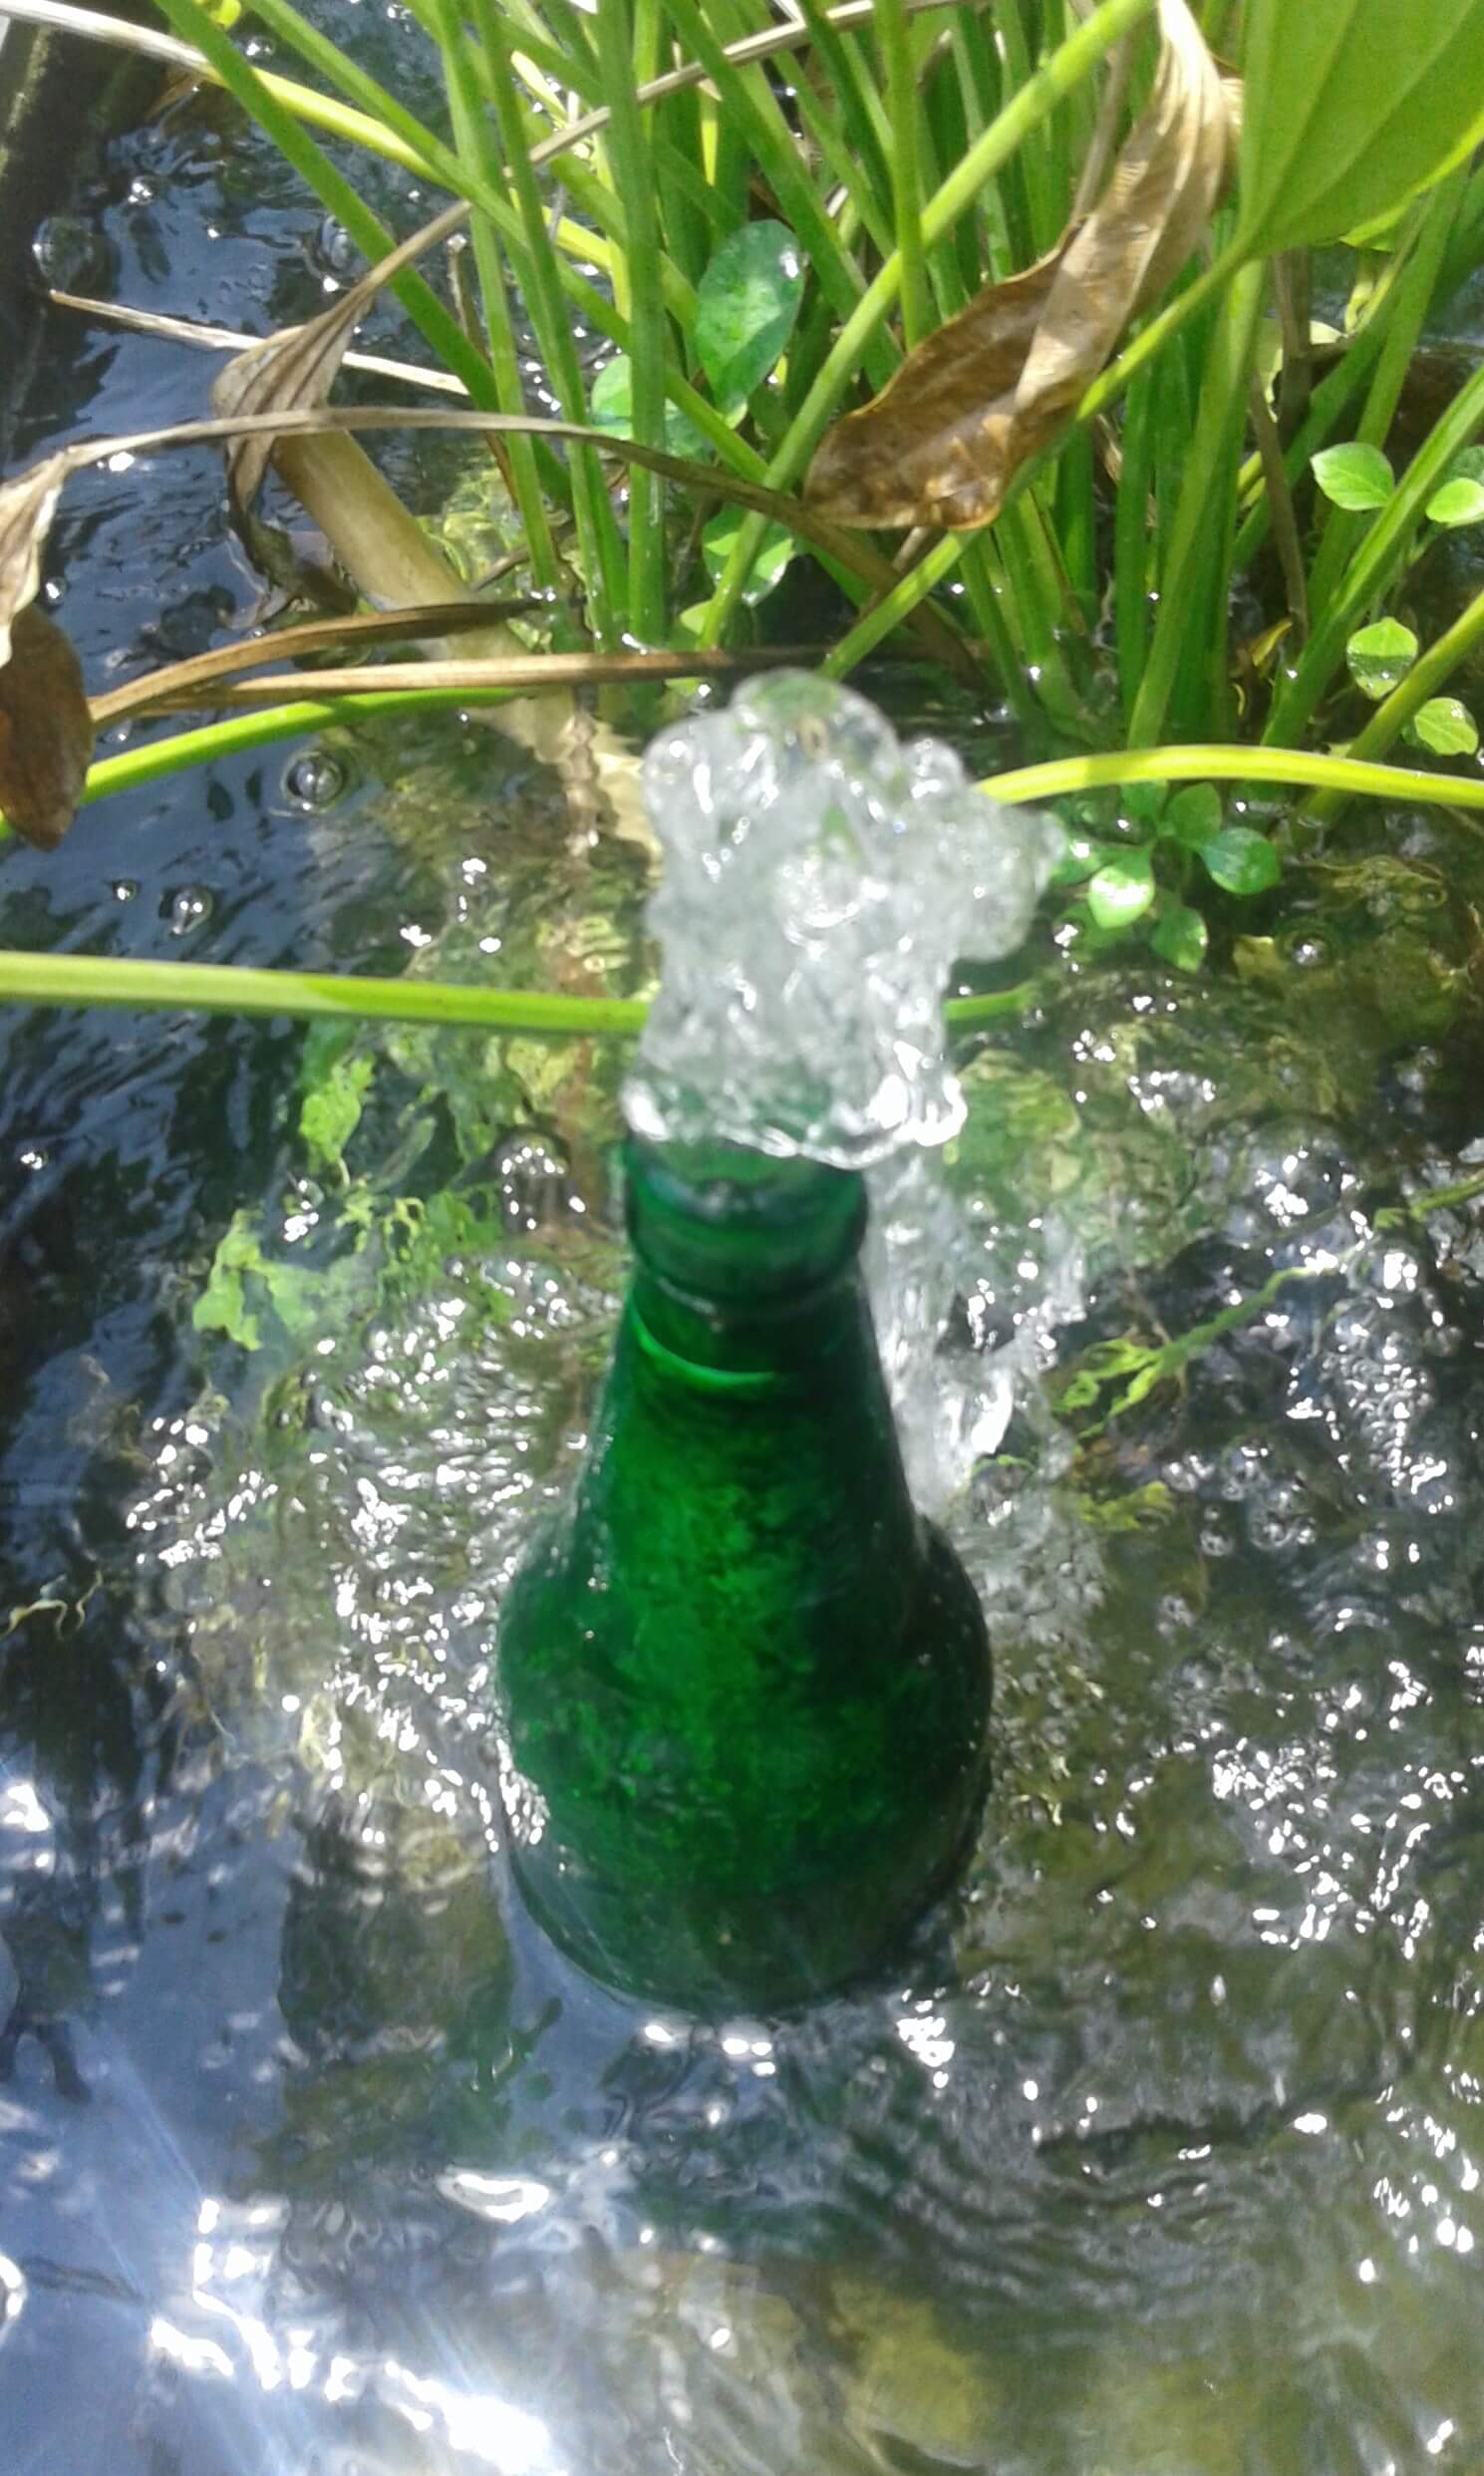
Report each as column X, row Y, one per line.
column 1162, row 2150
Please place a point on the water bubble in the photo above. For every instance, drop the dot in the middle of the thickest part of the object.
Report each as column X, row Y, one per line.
column 72, row 255
column 124, row 889
column 333, row 248
column 315, row 779
column 187, row 909
column 33, row 1156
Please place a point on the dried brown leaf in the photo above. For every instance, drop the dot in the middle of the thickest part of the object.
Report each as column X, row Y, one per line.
column 938, row 439
column 292, row 369
column 46, row 730
column 943, row 440
column 27, row 505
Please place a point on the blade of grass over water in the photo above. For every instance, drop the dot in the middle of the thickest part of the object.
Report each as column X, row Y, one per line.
column 1055, row 779
column 229, row 989
column 28, row 979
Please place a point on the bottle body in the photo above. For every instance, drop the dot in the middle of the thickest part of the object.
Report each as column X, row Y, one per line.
column 746, row 1688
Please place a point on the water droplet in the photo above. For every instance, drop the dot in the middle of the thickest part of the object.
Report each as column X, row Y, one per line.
column 141, row 191
column 33, row 1156
column 124, row 889
column 1309, row 952
column 188, row 908
column 70, row 253
column 315, row 779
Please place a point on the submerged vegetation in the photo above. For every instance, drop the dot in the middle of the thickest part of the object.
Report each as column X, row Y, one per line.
column 1074, row 347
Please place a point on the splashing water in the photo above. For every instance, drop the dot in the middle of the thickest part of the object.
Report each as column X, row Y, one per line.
column 821, row 879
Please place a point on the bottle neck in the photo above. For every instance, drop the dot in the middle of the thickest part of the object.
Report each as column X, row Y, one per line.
column 741, row 1343
column 745, row 1267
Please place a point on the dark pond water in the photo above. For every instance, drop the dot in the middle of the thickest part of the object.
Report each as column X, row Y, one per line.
column 1160, row 2152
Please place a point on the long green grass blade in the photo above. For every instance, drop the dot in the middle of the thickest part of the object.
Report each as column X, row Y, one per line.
column 229, row 989
column 634, row 167
column 1192, row 596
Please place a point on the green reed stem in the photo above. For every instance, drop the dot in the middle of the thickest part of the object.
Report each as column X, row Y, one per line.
column 472, row 137
column 537, row 271
column 1214, row 763
column 230, row 989
column 906, row 191
column 634, row 167
column 1206, row 493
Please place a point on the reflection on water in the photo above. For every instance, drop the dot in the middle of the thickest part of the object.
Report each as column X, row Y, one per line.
column 1159, row 2153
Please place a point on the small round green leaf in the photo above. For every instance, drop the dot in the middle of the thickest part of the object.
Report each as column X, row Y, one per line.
column 747, row 303
column 1241, row 860
column 1121, row 892
column 1459, row 502
column 776, row 548
column 1194, row 815
column 1444, row 726
column 611, row 408
column 1379, row 655
column 1180, row 935
column 1355, row 476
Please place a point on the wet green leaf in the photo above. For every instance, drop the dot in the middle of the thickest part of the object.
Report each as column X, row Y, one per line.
column 1181, row 937
column 1381, row 656
column 1349, row 106
column 1459, row 502
column 773, row 553
column 747, row 303
column 1242, row 862
column 1353, row 476
column 611, row 408
column 1194, row 815
column 1122, row 892
column 1445, row 726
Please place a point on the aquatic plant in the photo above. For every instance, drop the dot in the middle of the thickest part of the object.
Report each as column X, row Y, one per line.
column 1068, row 259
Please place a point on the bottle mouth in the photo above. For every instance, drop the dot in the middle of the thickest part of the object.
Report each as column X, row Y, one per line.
column 721, row 1222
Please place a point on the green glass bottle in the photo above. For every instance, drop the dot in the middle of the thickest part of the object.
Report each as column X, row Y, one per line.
column 745, row 1688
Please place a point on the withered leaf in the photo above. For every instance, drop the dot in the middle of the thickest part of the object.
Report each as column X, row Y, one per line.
column 27, row 505
column 941, row 444
column 46, row 730
column 288, row 371
column 293, row 369
column 938, row 438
